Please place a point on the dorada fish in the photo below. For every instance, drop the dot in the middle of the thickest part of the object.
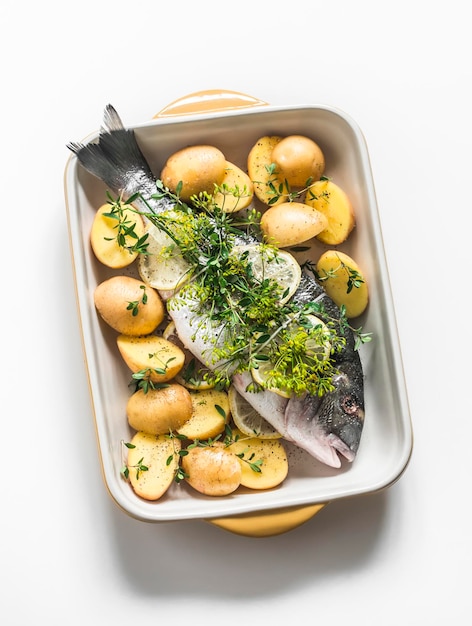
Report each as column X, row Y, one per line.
column 321, row 409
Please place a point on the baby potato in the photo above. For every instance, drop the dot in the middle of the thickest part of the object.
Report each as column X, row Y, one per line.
column 212, row 470
column 258, row 160
column 336, row 271
column 198, row 168
column 238, row 190
column 128, row 305
column 159, row 411
column 206, row 419
column 298, row 159
column 152, row 464
column 291, row 223
column 104, row 232
column 328, row 198
column 271, row 455
column 161, row 358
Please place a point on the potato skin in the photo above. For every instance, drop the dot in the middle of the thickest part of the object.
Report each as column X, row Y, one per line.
column 103, row 237
column 199, row 168
column 159, row 411
column 212, row 470
column 112, row 298
column 162, row 358
column 291, row 223
column 333, row 269
column 298, row 158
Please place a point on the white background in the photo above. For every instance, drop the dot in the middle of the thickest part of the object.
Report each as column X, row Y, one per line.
column 403, row 72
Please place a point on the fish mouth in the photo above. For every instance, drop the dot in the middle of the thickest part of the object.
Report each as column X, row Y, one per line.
column 341, row 447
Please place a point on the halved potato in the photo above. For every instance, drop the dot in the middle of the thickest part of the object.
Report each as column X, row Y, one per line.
column 259, row 159
column 210, row 414
column 328, row 198
column 237, row 190
column 270, row 456
column 291, row 223
column 160, row 357
column 104, row 233
column 152, row 464
column 338, row 272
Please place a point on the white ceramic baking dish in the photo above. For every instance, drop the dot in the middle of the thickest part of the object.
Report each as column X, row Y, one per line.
column 233, row 122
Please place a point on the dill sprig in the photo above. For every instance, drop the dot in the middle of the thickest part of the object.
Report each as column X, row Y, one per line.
column 238, row 314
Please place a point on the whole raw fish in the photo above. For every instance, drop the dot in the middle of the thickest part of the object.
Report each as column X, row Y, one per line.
column 328, row 427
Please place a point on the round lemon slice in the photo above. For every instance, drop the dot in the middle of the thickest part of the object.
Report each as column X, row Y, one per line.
column 163, row 266
column 319, row 347
column 278, row 265
column 247, row 419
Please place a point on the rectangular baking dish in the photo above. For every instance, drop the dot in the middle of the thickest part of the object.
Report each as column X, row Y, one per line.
column 233, row 125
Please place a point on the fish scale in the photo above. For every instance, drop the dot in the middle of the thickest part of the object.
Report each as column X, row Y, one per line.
column 329, row 428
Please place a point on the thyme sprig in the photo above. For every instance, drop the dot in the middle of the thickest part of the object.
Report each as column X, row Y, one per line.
column 228, row 438
column 277, row 189
column 139, row 466
column 133, row 305
column 125, row 227
column 143, row 378
column 354, row 280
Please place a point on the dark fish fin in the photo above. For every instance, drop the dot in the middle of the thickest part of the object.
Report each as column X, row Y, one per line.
column 116, row 158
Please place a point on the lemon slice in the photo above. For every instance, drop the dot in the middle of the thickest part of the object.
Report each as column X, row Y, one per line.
column 192, row 373
column 314, row 347
column 278, row 265
column 247, row 419
column 261, row 375
column 163, row 266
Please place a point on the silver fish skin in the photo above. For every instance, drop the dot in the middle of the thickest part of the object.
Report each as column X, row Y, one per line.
column 329, row 427
column 118, row 161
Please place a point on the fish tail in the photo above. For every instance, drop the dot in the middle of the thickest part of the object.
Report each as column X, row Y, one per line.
column 116, row 158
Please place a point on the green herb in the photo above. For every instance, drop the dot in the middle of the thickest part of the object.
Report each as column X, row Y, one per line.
column 353, row 278
column 139, row 466
column 125, row 227
column 143, row 378
column 354, row 281
column 277, row 190
column 134, row 305
column 229, row 438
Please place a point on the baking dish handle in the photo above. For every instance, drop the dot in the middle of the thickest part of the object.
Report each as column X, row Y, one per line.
column 209, row 101
column 268, row 523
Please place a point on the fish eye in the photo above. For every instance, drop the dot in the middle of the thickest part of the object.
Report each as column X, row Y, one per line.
column 349, row 404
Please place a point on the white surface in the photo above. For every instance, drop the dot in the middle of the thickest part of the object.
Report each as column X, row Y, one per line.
column 69, row 556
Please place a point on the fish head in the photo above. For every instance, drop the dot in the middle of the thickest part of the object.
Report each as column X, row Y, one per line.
column 331, row 425
column 341, row 412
